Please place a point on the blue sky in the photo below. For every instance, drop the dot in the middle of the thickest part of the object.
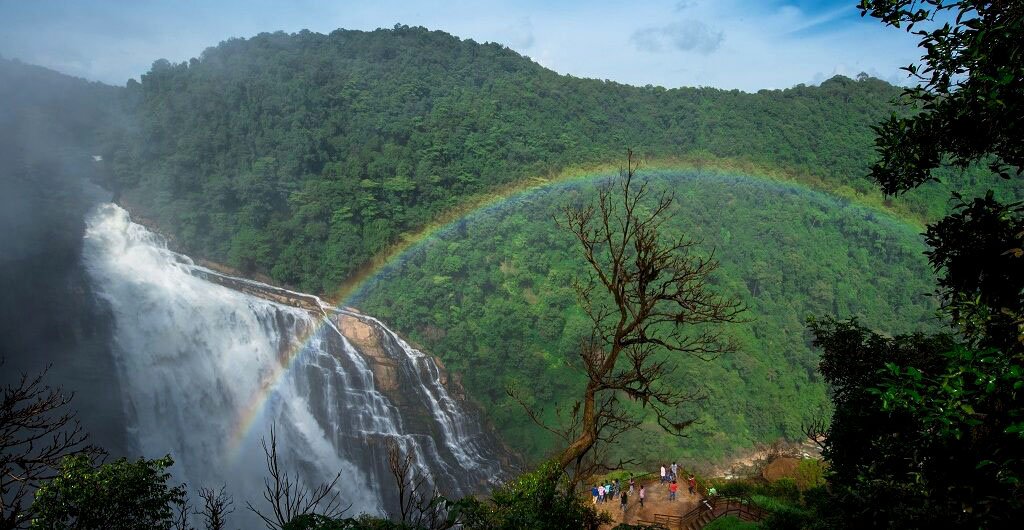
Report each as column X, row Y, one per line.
column 748, row 44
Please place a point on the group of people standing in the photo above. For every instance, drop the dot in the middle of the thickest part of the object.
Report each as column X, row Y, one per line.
column 612, row 489
column 608, row 492
column 670, row 476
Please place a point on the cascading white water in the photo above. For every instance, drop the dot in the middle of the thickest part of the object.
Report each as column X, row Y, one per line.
column 196, row 356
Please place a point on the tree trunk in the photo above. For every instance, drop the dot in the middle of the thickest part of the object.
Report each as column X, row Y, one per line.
column 588, row 431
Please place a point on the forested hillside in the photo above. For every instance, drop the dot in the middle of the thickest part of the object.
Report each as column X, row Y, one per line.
column 303, row 155
column 493, row 296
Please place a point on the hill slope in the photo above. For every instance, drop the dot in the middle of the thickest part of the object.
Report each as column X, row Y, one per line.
column 303, row 155
column 492, row 296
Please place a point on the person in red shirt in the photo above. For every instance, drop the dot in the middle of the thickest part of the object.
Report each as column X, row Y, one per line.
column 692, row 482
column 673, row 487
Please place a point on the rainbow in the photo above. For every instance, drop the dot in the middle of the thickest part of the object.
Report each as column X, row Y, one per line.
column 408, row 242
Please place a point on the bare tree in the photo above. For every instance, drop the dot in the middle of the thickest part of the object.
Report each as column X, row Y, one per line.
column 289, row 497
column 182, row 511
column 217, row 505
column 647, row 297
column 37, row 430
column 816, row 430
column 420, row 505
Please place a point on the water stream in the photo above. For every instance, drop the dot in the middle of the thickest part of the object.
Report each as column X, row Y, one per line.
column 207, row 369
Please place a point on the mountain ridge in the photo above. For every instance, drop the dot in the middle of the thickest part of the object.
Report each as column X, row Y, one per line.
column 304, row 155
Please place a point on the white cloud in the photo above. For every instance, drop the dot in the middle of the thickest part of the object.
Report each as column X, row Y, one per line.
column 693, row 35
column 518, row 35
column 685, row 35
column 745, row 44
column 647, row 40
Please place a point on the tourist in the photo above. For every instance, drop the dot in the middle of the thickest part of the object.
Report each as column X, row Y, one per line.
column 692, row 483
column 663, row 473
column 643, row 493
column 623, row 499
column 672, row 489
column 631, row 484
column 600, row 493
column 594, row 492
column 675, row 470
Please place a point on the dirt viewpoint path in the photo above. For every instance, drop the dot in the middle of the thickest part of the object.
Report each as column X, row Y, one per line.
column 656, row 501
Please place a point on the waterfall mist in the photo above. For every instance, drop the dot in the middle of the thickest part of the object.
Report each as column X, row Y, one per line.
column 194, row 356
column 49, row 316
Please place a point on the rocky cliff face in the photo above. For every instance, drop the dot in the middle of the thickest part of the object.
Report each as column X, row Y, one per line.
column 433, row 404
column 366, row 334
column 369, row 340
column 212, row 362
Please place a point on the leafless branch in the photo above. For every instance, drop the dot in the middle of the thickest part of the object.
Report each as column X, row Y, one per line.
column 217, row 505
column 182, row 511
column 816, row 430
column 648, row 297
column 289, row 497
column 37, row 430
column 420, row 505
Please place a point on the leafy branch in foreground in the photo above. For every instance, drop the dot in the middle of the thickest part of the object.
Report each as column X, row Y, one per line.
column 928, row 430
column 121, row 495
column 969, row 106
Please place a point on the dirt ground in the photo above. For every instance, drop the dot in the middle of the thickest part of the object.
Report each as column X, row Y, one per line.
column 656, row 501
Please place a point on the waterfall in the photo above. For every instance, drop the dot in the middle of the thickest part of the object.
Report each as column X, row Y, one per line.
column 207, row 369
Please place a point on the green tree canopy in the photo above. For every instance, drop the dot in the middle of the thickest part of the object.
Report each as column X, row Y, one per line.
column 121, row 495
column 969, row 106
column 929, row 430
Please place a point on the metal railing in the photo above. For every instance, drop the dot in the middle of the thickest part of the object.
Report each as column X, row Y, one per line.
column 720, row 506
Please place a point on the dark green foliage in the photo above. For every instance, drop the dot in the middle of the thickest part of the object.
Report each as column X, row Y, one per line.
column 928, row 430
column 730, row 522
column 363, row 522
column 970, row 104
column 924, row 431
column 492, row 296
column 121, row 495
column 971, row 410
column 867, row 447
column 976, row 250
column 787, row 518
column 540, row 499
column 304, row 155
column 785, row 490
